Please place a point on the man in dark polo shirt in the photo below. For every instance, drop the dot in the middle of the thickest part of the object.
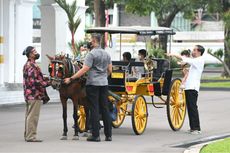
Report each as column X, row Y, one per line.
column 98, row 66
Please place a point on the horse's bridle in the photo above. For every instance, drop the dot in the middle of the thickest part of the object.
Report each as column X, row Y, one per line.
column 57, row 71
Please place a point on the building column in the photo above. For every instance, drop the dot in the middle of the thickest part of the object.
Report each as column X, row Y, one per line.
column 80, row 33
column 1, row 44
column 8, row 33
column 23, row 34
column 115, row 15
column 17, row 33
column 53, row 31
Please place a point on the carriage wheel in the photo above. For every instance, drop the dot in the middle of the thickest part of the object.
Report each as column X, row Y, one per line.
column 176, row 105
column 121, row 112
column 81, row 118
column 139, row 115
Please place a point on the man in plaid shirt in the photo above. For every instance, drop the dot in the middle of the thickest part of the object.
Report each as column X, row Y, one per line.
column 34, row 85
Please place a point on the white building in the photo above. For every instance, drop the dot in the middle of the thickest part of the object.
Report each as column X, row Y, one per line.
column 16, row 33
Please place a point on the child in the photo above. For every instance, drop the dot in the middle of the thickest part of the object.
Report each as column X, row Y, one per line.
column 184, row 67
column 139, row 71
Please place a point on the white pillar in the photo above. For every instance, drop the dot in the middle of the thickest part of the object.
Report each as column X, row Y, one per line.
column 1, row 44
column 115, row 15
column 23, row 34
column 53, row 32
column 17, row 35
column 80, row 33
column 8, row 47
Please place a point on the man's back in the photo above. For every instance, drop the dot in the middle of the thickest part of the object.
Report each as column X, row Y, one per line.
column 98, row 61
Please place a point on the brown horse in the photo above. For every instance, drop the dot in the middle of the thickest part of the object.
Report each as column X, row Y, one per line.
column 61, row 67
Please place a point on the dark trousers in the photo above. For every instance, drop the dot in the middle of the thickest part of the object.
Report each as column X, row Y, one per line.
column 98, row 102
column 193, row 114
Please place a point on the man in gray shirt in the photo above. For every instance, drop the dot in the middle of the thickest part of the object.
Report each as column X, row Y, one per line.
column 98, row 65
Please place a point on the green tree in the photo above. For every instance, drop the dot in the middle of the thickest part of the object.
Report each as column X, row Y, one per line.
column 223, row 8
column 73, row 22
column 165, row 10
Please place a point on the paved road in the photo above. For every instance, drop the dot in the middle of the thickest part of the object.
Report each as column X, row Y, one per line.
column 158, row 138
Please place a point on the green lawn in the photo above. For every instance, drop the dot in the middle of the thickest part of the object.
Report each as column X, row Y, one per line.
column 216, row 84
column 214, row 78
column 222, row 146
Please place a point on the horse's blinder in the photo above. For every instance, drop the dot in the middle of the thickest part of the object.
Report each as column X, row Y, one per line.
column 56, row 69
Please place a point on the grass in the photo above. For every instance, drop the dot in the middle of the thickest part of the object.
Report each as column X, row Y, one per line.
column 216, row 84
column 215, row 78
column 222, row 146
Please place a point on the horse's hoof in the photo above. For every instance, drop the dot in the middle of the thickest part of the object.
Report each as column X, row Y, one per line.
column 75, row 138
column 63, row 138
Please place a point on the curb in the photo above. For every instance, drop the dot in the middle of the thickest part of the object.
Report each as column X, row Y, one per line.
column 197, row 148
column 214, row 89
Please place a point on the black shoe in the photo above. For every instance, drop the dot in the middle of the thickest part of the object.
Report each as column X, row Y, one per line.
column 108, row 138
column 34, row 140
column 92, row 138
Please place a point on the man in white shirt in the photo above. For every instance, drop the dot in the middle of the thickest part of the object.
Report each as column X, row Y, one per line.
column 192, row 86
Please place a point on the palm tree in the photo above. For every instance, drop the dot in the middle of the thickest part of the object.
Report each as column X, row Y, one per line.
column 73, row 23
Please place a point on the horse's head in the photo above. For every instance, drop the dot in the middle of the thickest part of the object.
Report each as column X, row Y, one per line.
column 57, row 69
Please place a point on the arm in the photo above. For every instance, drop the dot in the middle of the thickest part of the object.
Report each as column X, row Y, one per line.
column 110, row 69
column 81, row 72
column 36, row 75
column 174, row 55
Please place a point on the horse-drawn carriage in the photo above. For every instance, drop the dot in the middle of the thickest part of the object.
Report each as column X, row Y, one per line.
column 157, row 81
column 124, row 89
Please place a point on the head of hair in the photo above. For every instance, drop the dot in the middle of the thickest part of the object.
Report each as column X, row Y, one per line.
column 142, row 52
column 200, row 49
column 127, row 56
column 27, row 50
column 185, row 53
column 97, row 37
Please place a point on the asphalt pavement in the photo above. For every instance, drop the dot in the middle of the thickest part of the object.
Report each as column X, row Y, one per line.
column 214, row 111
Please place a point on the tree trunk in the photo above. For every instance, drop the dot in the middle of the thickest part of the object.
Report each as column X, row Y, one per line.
column 227, row 52
column 166, row 23
column 99, row 9
column 226, row 67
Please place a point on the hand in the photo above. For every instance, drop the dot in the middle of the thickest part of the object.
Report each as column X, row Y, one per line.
column 49, row 83
column 67, row 80
column 169, row 54
column 45, row 77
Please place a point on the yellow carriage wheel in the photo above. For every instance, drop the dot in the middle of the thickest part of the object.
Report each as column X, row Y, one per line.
column 81, row 118
column 139, row 115
column 176, row 105
column 121, row 112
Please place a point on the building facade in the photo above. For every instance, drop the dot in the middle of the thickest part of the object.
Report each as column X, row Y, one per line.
column 16, row 32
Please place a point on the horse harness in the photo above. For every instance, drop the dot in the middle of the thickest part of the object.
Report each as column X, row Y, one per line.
column 58, row 72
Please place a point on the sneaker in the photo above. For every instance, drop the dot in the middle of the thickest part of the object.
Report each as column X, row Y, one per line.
column 189, row 131
column 34, row 140
column 195, row 132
